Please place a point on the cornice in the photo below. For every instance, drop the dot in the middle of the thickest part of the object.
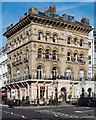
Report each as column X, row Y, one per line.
column 47, row 21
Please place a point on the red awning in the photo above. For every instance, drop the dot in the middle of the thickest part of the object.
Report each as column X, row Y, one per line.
column 3, row 94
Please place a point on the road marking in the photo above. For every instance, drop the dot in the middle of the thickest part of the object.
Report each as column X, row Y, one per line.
column 11, row 113
column 83, row 111
column 78, row 111
column 23, row 116
column 88, row 110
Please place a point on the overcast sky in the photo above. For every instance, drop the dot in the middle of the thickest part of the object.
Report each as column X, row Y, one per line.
column 12, row 11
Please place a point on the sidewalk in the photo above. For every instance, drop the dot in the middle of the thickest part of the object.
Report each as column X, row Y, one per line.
column 31, row 106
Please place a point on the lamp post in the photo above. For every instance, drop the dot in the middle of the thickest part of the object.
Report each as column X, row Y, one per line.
column 56, row 92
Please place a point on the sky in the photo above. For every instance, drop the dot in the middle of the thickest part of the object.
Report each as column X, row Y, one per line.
column 12, row 11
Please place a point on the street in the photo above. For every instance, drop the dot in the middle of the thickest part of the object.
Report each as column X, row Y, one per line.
column 47, row 113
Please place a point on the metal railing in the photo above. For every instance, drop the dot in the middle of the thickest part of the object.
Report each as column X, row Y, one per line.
column 18, row 62
column 30, row 77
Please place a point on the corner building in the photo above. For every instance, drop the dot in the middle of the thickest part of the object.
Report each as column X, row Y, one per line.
column 46, row 52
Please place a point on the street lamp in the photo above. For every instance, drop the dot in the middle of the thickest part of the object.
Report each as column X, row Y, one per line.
column 56, row 92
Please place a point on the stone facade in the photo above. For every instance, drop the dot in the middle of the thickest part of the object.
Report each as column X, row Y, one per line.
column 44, row 55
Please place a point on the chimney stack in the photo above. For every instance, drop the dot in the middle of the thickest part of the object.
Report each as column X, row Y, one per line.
column 85, row 21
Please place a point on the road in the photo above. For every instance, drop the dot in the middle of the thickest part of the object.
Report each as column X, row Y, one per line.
column 48, row 113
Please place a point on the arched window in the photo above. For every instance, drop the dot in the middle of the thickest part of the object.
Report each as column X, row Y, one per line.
column 55, row 38
column 27, row 54
column 54, row 73
column 39, row 72
column 47, row 37
column 68, row 56
column 21, row 38
column 68, row 73
column 81, row 75
column 47, row 55
column 75, row 57
column 69, row 40
column 54, row 55
column 27, row 36
column 40, row 36
column 81, row 42
column 18, row 74
column 81, row 57
column 75, row 41
column 14, row 43
column 15, row 58
column 27, row 72
column 40, row 53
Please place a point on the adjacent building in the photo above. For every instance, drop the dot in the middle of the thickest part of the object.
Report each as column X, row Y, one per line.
column 91, row 56
column 46, row 52
column 3, row 66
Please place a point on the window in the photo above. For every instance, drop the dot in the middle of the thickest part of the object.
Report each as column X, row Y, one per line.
column 75, row 41
column 21, row 39
column 27, row 54
column 68, row 56
column 47, row 54
column 75, row 57
column 40, row 53
column 40, row 36
column 18, row 74
column 81, row 75
column 89, row 76
column 95, row 48
column 39, row 72
column 69, row 40
column 81, row 43
column 89, row 43
column 81, row 57
column 42, row 91
column 47, row 37
column 27, row 36
column 27, row 72
column 68, row 73
column 54, row 73
column 54, row 55
column 89, row 59
column 55, row 38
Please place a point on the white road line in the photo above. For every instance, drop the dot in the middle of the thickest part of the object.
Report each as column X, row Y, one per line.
column 83, row 111
column 88, row 111
column 78, row 111
column 11, row 113
column 23, row 116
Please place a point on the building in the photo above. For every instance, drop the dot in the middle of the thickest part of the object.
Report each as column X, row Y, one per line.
column 91, row 56
column 90, row 84
column 45, row 53
column 3, row 66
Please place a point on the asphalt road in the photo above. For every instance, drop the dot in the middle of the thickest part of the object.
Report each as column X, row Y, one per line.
column 48, row 113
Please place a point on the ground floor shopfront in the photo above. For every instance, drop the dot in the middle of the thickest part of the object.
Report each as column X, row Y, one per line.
column 35, row 88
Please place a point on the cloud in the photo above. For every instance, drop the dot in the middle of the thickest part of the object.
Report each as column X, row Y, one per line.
column 72, row 6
